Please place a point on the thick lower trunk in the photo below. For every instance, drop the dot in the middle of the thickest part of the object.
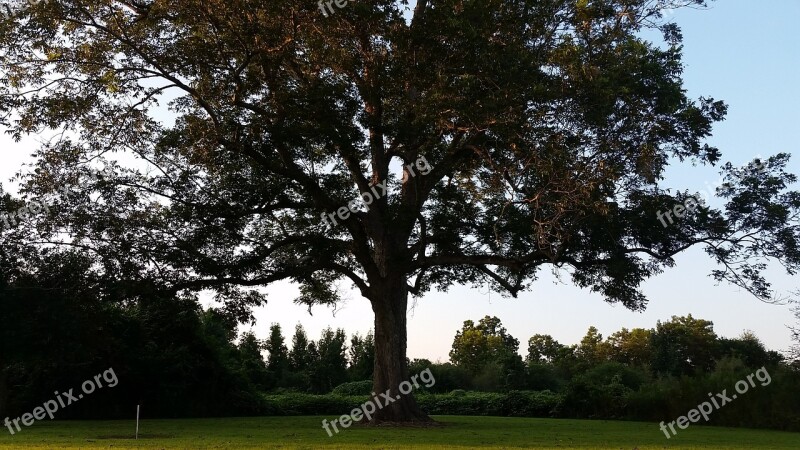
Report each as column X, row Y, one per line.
column 391, row 365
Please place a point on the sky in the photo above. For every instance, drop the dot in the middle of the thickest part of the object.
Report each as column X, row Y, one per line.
column 743, row 52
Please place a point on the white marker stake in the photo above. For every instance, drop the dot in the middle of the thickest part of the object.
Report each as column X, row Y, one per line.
column 137, row 422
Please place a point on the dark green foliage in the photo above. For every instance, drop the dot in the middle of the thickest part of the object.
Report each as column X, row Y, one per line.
column 489, row 353
column 353, row 388
column 362, row 357
column 59, row 329
column 278, row 358
column 254, row 368
column 529, row 404
column 683, row 346
column 470, row 404
column 329, row 368
column 278, row 353
column 475, row 346
column 630, row 377
column 299, row 357
column 514, row 403
column 772, row 406
column 542, row 377
column 749, row 349
column 542, row 348
column 631, row 347
column 614, row 379
column 602, row 392
column 448, row 376
column 303, row 404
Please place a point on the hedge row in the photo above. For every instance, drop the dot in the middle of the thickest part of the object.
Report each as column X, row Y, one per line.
column 514, row 403
column 663, row 401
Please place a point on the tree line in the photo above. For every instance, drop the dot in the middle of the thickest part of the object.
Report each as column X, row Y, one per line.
column 177, row 359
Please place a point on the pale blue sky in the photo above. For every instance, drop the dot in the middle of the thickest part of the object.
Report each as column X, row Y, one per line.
column 746, row 53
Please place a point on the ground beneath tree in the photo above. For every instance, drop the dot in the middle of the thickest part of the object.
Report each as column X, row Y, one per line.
column 451, row 432
column 429, row 424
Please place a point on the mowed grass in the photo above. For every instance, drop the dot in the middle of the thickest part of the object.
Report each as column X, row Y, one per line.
column 456, row 433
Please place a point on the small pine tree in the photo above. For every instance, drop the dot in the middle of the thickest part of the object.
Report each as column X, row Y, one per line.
column 300, row 357
column 278, row 353
column 362, row 357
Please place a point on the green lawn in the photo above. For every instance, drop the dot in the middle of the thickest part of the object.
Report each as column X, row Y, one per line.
column 457, row 432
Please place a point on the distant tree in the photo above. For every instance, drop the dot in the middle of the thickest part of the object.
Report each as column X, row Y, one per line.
column 362, row 357
column 470, row 348
column 542, row 348
column 591, row 350
column 630, row 347
column 300, row 357
column 749, row 349
column 313, row 354
column 329, row 369
column 275, row 345
column 489, row 353
column 476, row 346
column 219, row 331
column 403, row 151
column 684, row 346
column 253, row 365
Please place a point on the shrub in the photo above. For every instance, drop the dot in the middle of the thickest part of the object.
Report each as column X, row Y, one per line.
column 310, row 404
column 447, row 376
column 542, row 377
column 354, row 388
column 469, row 404
column 529, row 404
column 458, row 393
column 589, row 397
column 514, row 403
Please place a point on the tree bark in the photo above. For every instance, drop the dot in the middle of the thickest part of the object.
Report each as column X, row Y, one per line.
column 391, row 366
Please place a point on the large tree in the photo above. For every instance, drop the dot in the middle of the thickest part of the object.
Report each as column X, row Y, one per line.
column 491, row 139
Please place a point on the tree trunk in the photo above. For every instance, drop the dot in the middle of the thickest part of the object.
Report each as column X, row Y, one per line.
column 391, row 365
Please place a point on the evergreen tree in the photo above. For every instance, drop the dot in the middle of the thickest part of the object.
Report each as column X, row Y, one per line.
column 300, row 357
column 253, row 365
column 362, row 357
column 330, row 368
column 278, row 353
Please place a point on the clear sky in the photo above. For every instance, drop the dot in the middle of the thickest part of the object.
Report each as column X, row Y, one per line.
column 744, row 52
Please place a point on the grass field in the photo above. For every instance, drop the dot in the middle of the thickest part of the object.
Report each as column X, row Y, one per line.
column 457, row 432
